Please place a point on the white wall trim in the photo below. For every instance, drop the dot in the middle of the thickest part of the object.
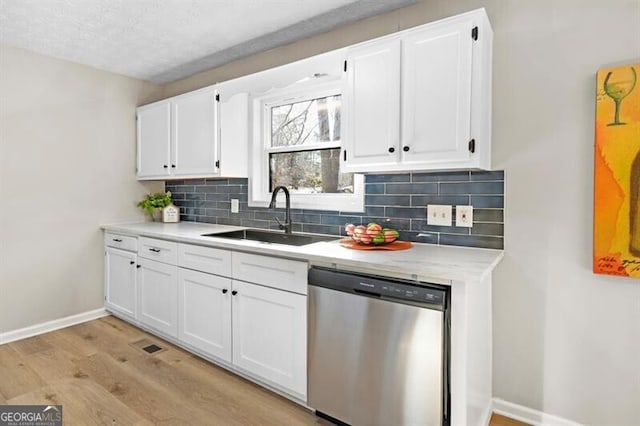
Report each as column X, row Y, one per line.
column 485, row 420
column 529, row 415
column 45, row 327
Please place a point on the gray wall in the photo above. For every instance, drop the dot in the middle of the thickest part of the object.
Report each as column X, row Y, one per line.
column 566, row 341
column 67, row 165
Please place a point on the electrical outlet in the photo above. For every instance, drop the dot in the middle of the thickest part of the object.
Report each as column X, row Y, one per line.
column 439, row 215
column 235, row 205
column 464, row 216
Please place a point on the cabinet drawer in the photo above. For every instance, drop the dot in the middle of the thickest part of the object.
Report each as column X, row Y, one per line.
column 122, row 242
column 160, row 250
column 205, row 259
column 285, row 274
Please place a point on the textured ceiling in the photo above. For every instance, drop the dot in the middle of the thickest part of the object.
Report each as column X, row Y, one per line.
column 165, row 40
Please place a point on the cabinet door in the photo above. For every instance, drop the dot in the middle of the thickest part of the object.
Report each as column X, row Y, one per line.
column 234, row 135
column 154, row 136
column 195, row 141
column 270, row 335
column 205, row 312
column 120, row 281
column 436, row 94
column 371, row 105
column 158, row 296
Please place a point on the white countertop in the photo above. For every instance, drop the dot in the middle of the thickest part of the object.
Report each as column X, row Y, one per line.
column 422, row 262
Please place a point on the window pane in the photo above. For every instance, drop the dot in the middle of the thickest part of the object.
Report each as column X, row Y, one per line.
column 309, row 172
column 313, row 121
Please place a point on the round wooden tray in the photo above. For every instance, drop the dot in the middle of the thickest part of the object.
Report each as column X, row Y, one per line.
column 396, row 245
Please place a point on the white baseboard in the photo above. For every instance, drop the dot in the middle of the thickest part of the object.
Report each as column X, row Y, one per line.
column 529, row 415
column 485, row 420
column 45, row 327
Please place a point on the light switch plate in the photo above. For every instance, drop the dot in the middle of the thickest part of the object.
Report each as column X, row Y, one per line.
column 439, row 215
column 235, row 205
column 464, row 216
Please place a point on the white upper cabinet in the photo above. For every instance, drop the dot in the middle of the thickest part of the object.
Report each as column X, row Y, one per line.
column 420, row 99
column 194, row 124
column 436, row 100
column 198, row 134
column 371, row 105
column 234, row 133
column 178, row 137
column 154, row 140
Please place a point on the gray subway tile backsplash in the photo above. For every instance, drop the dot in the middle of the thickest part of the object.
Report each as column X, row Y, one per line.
column 485, row 201
column 387, row 200
column 487, row 175
column 472, row 188
column 411, row 188
column 441, row 177
column 394, row 200
column 388, row 178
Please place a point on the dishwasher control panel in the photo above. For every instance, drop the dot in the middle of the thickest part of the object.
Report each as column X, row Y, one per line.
column 401, row 291
column 374, row 286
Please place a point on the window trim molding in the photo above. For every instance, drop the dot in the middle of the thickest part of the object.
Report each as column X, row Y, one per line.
column 259, row 196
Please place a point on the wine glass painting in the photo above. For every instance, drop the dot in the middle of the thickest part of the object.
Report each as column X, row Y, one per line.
column 618, row 87
column 616, row 237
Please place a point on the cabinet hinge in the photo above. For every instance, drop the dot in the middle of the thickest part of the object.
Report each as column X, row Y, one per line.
column 474, row 33
column 344, row 155
column 217, row 97
column 472, row 146
column 217, row 164
column 345, row 66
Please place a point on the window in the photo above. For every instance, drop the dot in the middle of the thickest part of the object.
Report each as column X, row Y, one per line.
column 296, row 143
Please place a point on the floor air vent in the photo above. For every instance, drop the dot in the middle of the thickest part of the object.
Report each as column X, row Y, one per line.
column 148, row 346
column 152, row 348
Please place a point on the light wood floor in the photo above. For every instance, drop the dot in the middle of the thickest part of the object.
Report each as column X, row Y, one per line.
column 99, row 377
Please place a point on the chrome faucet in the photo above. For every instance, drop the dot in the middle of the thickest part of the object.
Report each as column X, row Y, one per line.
column 287, row 215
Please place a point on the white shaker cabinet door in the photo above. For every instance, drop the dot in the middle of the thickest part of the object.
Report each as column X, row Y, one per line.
column 205, row 312
column 234, row 135
column 270, row 335
column 436, row 94
column 195, row 136
column 154, row 140
column 371, row 103
column 158, row 296
column 120, row 281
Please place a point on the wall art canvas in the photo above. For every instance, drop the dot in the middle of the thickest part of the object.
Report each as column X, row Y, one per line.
column 617, row 172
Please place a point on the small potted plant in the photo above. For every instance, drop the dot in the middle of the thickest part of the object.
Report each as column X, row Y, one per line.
column 154, row 203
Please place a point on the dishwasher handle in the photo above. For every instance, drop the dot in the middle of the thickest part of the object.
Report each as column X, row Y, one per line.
column 367, row 293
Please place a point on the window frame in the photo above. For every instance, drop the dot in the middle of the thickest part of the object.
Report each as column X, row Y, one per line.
column 259, row 179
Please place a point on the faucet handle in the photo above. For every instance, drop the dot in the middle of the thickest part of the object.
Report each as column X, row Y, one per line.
column 280, row 224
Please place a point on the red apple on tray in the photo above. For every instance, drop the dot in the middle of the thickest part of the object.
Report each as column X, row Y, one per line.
column 373, row 233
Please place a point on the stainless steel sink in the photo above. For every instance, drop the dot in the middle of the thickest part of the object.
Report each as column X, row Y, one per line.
column 273, row 237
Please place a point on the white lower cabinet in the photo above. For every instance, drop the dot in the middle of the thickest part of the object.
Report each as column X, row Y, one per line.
column 247, row 311
column 205, row 312
column 120, row 281
column 158, row 295
column 270, row 335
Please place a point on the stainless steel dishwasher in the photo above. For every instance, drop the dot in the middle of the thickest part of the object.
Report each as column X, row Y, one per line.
column 378, row 351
